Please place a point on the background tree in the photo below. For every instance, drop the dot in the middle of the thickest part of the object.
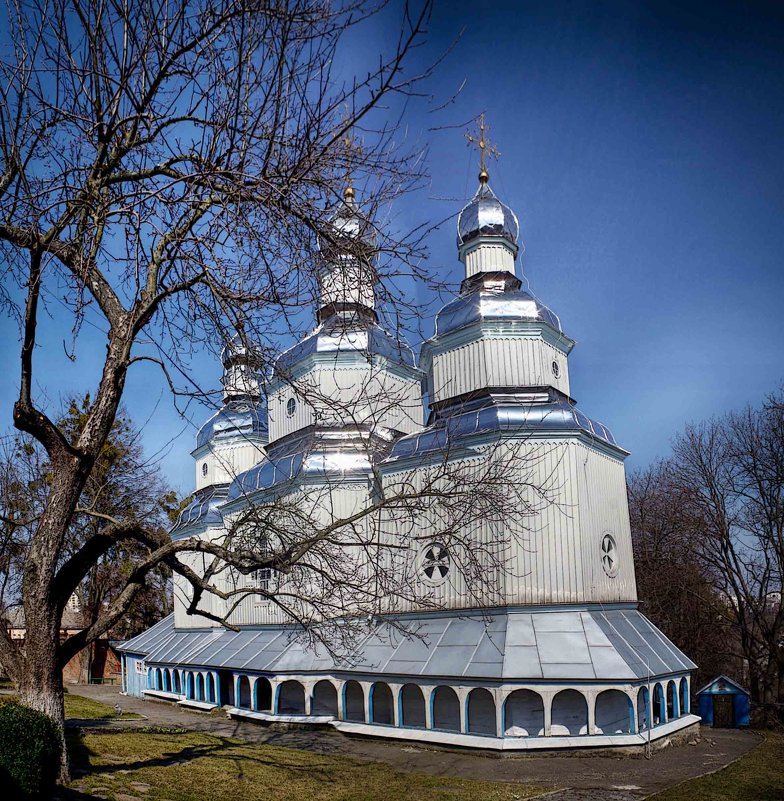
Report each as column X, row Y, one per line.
column 708, row 532
column 732, row 472
column 675, row 590
column 122, row 486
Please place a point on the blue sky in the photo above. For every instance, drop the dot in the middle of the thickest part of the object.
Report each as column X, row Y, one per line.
column 643, row 152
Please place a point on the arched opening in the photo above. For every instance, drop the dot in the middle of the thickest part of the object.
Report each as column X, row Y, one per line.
column 685, row 696
column 481, row 712
column 325, row 699
column 446, row 709
column 353, row 701
column 523, row 714
column 412, row 707
column 569, row 714
column 614, row 713
column 209, row 689
column 262, row 695
column 643, row 710
column 672, row 701
column 189, row 685
column 291, row 698
column 659, row 705
column 176, row 685
column 166, row 680
column 158, row 679
column 227, row 687
column 243, row 692
column 199, row 687
column 381, row 710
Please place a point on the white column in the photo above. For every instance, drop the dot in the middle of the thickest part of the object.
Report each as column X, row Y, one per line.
column 308, row 685
column 395, row 690
column 500, row 699
column 590, row 698
column 462, row 698
column 428, row 693
column 341, row 700
column 547, row 700
column 366, row 685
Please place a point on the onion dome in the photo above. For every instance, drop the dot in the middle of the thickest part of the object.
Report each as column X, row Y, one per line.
column 486, row 216
column 237, row 350
column 350, row 231
column 236, row 420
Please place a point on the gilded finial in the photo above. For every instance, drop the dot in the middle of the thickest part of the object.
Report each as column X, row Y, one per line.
column 484, row 148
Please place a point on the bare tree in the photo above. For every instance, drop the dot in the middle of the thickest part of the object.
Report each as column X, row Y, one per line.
column 159, row 164
column 676, row 589
column 731, row 470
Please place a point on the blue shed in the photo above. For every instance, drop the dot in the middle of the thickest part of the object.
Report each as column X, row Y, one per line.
column 723, row 703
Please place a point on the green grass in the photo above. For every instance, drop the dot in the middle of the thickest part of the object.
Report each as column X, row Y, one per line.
column 758, row 775
column 189, row 766
column 78, row 707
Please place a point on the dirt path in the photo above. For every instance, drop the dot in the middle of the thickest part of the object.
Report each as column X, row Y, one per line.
column 587, row 777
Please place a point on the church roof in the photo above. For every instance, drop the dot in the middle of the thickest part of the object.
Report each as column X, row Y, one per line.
column 339, row 333
column 203, row 508
column 489, row 415
column 484, row 305
column 237, row 418
column 508, row 645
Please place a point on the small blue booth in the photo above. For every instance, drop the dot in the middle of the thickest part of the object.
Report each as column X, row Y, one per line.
column 723, row 703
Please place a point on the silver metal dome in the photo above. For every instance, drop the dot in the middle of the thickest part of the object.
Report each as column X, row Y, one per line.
column 485, row 215
column 349, row 227
column 236, row 349
column 238, row 418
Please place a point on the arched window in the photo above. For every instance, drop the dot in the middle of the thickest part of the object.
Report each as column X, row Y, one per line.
column 659, row 705
column 381, row 710
column 325, row 699
column 209, row 689
column 523, row 714
column 354, row 701
column 614, row 713
column 199, row 687
column 243, row 692
column 672, row 701
column 412, row 707
column 569, row 714
column 291, row 698
column 446, row 709
column 685, row 696
column 262, row 695
column 643, row 709
column 176, row 686
column 481, row 712
column 166, row 680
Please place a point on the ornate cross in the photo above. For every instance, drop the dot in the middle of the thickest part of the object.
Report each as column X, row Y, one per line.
column 484, row 147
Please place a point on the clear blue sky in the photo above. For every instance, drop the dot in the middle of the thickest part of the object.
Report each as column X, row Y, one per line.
column 643, row 151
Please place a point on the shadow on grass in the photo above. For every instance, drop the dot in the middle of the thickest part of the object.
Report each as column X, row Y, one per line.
column 223, row 748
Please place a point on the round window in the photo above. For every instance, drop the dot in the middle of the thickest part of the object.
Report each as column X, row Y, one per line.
column 291, row 407
column 556, row 369
column 204, row 469
column 434, row 563
column 609, row 555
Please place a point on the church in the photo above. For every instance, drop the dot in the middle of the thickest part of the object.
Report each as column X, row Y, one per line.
column 505, row 619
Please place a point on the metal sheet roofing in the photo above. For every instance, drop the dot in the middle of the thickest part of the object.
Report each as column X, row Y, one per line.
column 514, row 645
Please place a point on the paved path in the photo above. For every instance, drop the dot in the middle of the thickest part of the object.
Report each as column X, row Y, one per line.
column 587, row 777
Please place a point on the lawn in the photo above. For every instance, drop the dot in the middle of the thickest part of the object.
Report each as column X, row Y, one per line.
column 77, row 707
column 190, row 766
column 81, row 708
column 756, row 776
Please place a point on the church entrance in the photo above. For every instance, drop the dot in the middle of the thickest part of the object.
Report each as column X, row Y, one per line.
column 723, row 712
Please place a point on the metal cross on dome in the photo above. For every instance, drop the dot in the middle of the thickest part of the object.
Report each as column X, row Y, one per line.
column 484, row 147
column 435, row 562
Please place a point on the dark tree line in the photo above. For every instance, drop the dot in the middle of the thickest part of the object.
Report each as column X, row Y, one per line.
column 708, row 530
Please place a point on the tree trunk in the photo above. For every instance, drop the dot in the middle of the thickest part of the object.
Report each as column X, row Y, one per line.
column 41, row 683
